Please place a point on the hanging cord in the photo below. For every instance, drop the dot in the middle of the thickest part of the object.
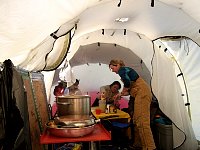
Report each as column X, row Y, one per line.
column 184, row 136
column 152, row 65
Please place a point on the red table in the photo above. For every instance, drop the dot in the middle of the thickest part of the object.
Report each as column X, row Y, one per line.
column 99, row 134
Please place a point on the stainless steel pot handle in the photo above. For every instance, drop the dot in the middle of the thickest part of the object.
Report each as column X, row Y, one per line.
column 64, row 103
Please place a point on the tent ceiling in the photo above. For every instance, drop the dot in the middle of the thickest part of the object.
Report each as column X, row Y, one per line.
column 27, row 23
column 153, row 22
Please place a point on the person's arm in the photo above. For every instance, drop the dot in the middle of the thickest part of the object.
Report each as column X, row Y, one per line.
column 119, row 95
column 125, row 92
column 78, row 92
column 127, row 75
column 124, row 74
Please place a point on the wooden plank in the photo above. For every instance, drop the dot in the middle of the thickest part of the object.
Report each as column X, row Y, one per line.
column 36, row 96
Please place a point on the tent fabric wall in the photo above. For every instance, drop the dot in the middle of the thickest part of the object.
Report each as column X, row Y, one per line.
column 28, row 24
column 170, row 100
column 187, row 55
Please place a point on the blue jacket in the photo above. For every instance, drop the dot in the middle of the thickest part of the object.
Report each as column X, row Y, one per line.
column 127, row 75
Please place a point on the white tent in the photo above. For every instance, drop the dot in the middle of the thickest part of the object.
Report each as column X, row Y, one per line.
column 159, row 38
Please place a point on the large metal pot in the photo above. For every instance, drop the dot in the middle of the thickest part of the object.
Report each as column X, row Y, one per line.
column 73, row 105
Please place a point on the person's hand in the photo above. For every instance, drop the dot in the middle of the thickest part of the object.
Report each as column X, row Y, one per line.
column 117, row 96
column 117, row 104
column 125, row 92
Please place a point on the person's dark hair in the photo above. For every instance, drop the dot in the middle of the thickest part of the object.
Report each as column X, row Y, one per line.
column 77, row 81
column 116, row 83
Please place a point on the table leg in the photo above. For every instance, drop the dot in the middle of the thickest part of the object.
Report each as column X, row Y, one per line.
column 92, row 146
column 50, row 146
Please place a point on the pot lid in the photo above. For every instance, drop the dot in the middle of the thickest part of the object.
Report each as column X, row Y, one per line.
column 73, row 117
column 73, row 96
column 74, row 121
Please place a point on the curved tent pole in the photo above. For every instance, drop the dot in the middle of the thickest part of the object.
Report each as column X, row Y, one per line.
column 186, row 91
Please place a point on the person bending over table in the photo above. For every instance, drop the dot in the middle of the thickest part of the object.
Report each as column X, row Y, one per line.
column 141, row 94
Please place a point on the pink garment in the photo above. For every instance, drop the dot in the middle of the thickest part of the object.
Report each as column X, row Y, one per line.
column 123, row 103
column 93, row 96
column 54, row 109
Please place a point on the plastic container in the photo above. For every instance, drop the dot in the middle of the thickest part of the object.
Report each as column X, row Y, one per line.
column 102, row 105
column 162, row 120
column 98, row 111
column 164, row 137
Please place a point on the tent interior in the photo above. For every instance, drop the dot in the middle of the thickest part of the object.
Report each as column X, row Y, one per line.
column 159, row 38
